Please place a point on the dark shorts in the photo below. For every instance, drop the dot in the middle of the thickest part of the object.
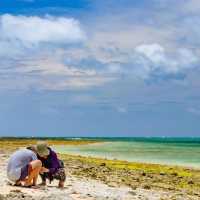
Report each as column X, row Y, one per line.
column 24, row 172
column 59, row 175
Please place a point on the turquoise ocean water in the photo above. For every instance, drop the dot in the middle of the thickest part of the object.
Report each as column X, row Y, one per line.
column 172, row 151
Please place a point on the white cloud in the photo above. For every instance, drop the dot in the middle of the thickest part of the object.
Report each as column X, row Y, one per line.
column 32, row 30
column 42, row 67
column 48, row 72
column 153, row 52
column 57, row 76
column 73, row 83
column 155, row 57
column 53, row 66
column 124, row 40
column 137, row 51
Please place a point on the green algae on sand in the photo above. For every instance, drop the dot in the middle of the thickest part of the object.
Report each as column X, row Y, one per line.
column 14, row 143
column 114, row 172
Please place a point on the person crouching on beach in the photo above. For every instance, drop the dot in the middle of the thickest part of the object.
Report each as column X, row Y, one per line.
column 23, row 168
column 52, row 167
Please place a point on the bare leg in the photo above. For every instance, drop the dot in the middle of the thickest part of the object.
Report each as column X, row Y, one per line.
column 36, row 177
column 61, row 184
column 43, row 177
column 34, row 170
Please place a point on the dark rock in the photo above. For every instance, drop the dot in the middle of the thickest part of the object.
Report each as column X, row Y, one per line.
column 103, row 164
column 147, row 187
column 190, row 182
column 134, row 187
column 162, row 173
column 174, row 174
column 132, row 193
column 143, row 174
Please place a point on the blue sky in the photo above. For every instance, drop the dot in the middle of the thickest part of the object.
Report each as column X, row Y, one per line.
column 99, row 68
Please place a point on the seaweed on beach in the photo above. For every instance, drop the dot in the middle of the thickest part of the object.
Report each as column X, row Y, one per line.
column 135, row 175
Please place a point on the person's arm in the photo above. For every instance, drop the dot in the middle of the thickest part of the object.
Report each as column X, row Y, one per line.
column 54, row 163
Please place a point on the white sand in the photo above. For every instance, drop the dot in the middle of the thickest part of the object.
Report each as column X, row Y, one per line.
column 76, row 189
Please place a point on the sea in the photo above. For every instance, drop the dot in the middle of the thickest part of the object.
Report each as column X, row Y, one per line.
column 163, row 150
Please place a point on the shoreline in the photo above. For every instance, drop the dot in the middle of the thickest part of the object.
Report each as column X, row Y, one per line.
column 197, row 168
column 119, row 150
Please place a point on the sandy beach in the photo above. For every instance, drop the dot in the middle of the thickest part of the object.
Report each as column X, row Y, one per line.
column 75, row 189
column 93, row 179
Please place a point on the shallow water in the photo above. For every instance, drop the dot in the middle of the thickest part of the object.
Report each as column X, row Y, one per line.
column 162, row 151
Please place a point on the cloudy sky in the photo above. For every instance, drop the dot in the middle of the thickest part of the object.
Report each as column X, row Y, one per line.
column 99, row 68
